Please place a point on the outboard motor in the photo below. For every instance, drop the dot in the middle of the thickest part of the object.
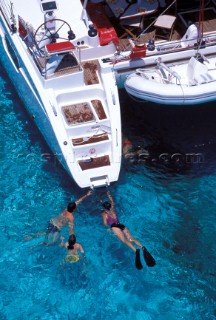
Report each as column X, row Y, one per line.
column 190, row 37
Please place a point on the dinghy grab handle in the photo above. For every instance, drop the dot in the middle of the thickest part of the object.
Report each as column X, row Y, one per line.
column 160, row 64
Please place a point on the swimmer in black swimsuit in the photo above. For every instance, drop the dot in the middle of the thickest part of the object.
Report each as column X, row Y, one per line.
column 110, row 218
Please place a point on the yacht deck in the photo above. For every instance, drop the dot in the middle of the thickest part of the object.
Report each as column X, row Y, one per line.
column 184, row 18
column 81, row 112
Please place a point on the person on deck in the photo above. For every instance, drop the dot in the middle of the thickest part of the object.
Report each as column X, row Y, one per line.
column 110, row 219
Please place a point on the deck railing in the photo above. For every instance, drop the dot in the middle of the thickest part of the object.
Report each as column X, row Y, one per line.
column 7, row 12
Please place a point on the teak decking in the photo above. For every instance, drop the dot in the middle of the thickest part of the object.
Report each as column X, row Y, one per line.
column 93, row 163
column 78, row 113
column 90, row 72
column 81, row 112
column 98, row 107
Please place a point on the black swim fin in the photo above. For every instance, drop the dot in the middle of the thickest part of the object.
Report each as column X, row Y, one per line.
column 150, row 261
column 137, row 260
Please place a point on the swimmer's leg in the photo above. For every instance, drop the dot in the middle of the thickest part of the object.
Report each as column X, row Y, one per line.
column 37, row 235
column 120, row 234
column 131, row 238
column 52, row 237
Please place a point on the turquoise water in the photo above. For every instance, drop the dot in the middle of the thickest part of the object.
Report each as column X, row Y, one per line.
column 168, row 205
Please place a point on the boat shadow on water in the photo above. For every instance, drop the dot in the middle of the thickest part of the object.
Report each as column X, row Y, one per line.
column 160, row 156
column 174, row 139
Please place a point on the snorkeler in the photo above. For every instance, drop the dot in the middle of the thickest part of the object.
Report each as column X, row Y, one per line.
column 110, row 218
column 65, row 218
column 72, row 247
column 134, row 155
column 60, row 221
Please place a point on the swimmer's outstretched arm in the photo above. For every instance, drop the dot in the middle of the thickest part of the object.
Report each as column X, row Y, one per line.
column 111, row 198
column 83, row 197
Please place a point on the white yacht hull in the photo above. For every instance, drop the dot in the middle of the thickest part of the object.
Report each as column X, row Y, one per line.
column 90, row 150
column 27, row 92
